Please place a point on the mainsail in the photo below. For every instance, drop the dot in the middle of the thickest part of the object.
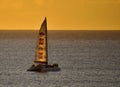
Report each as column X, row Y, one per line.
column 41, row 50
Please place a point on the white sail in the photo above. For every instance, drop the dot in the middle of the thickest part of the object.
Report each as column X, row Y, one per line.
column 41, row 51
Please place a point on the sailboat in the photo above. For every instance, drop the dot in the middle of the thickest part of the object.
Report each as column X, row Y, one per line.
column 41, row 58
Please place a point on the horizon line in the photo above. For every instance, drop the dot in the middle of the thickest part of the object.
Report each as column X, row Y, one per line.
column 61, row 29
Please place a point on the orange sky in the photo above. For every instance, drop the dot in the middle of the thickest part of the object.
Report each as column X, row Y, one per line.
column 61, row 14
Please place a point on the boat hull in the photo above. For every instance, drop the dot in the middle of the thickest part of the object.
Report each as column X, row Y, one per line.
column 44, row 68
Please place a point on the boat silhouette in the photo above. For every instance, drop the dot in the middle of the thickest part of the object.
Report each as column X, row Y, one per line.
column 41, row 57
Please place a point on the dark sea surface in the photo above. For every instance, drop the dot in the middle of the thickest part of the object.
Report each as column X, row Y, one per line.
column 86, row 58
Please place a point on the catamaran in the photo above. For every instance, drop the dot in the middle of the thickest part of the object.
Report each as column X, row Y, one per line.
column 41, row 58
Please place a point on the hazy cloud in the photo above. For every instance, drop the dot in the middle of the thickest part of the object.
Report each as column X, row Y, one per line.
column 23, row 4
column 11, row 4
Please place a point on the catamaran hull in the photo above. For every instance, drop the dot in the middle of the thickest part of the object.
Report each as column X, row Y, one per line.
column 44, row 68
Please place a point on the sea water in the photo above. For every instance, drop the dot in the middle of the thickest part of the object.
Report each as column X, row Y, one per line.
column 86, row 59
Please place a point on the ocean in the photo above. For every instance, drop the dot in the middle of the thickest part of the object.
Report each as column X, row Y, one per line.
column 86, row 59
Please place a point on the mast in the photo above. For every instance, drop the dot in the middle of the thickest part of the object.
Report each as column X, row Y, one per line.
column 41, row 49
column 46, row 42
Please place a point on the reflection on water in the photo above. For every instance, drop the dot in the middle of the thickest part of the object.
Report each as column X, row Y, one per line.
column 86, row 58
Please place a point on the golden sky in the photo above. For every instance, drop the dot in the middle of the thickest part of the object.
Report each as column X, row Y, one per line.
column 61, row 14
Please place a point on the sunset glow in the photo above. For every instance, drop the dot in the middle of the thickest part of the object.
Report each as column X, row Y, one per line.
column 61, row 14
